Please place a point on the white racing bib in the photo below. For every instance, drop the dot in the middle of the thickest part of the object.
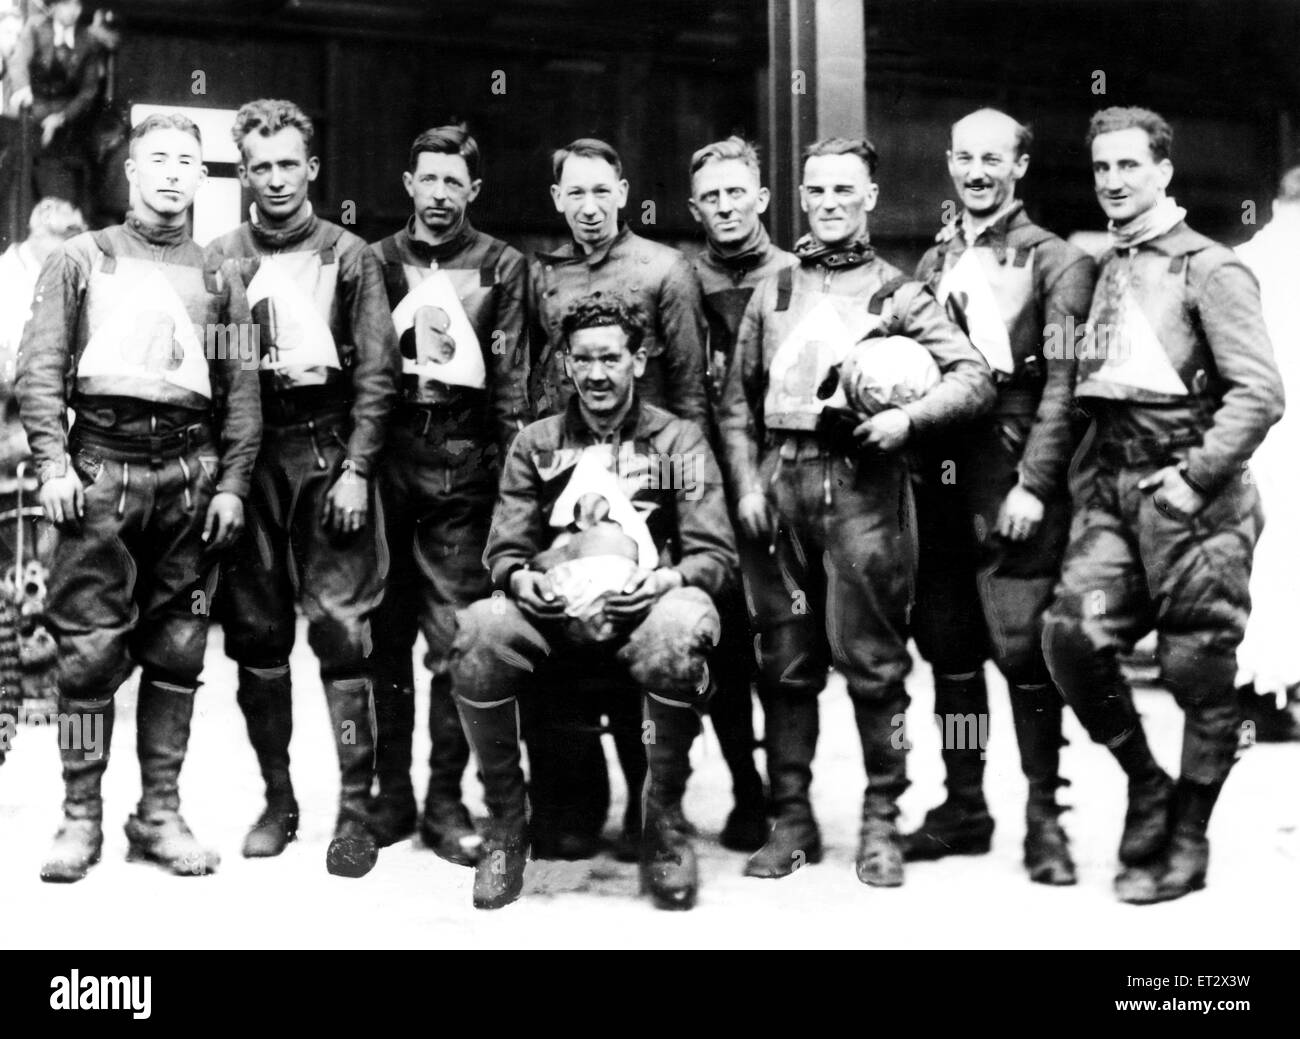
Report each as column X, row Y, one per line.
column 447, row 350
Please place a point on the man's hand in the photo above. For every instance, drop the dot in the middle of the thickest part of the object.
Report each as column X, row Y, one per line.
column 50, row 126
column 347, row 503
column 886, row 430
column 225, row 518
column 640, row 593
column 1020, row 515
column 534, row 595
column 64, row 500
column 1170, row 492
column 755, row 516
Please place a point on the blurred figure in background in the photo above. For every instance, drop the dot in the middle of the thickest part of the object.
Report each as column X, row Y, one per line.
column 56, row 70
column 53, row 221
column 1268, row 665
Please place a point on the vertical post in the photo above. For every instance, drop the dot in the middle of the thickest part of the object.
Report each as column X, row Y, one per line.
column 816, row 87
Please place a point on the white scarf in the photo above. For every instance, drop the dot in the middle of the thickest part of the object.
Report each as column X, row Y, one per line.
column 1164, row 216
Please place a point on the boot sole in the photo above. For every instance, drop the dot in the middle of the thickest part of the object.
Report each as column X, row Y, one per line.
column 176, row 867
column 920, row 847
column 812, row 856
column 257, row 853
column 1052, row 878
column 68, row 876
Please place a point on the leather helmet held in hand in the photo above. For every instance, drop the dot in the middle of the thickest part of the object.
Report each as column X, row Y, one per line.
column 885, row 372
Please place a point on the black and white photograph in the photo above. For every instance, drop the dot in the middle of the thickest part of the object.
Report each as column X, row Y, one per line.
column 651, row 475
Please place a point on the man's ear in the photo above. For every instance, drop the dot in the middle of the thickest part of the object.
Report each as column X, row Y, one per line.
column 408, row 182
column 872, row 196
column 1166, row 172
column 762, row 200
column 241, row 171
column 623, row 189
column 475, row 186
column 639, row 362
column 313, row 168
column 695, row 211
column 555, row 197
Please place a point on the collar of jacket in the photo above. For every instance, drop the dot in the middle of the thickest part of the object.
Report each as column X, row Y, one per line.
column 993, row 234
column 430, row 253
column 1177, row 241
column 280, row 238
column 571, row 251
column 812, row 253
column 748, row 258
column 155, row 234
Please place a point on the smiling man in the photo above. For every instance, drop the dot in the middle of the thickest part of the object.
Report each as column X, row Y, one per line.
column 570, row 787
column 823, row 497
column 1179, row 378
column 604, row 575
column 148, row 483
column 992, row 506
column 329, row 372
column 458, row 308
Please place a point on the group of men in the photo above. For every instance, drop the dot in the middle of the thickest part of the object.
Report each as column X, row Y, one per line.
column 519, row 459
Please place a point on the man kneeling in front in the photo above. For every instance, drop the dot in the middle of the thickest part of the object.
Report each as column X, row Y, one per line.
column 609, row 540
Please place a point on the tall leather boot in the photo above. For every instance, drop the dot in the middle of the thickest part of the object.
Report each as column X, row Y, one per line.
column 1188, row 856
column 669, row 871
column 265, row 697
column 884, row 755
column 732, row 713
column 157, row 833
column 794, row 840
column 80, row 836
column 631, row 753
column 493, row 731
column 1148, row 821
column 392, row 810
column 354, row 850
column 1036, row 711
column 445, row 825
column 962, row 824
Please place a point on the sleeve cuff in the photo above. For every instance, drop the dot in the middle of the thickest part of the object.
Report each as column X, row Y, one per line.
column 233, row 485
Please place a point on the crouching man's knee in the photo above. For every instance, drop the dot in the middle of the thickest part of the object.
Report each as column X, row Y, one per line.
column 668, row 652
column 494, row 647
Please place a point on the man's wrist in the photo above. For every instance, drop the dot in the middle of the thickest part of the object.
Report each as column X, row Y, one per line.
column 350, row 468
column 51, row 471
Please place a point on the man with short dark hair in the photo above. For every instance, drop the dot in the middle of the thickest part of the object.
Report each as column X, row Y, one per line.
column 728, row 200
column 609, row 538
column 823, row 494
column 1178, row 375
column 457, row 297
column 992, row 507
column 144, row 488
column 329, row 370
column 570, row 791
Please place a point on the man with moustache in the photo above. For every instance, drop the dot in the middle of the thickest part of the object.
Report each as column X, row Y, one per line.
column 457, row 297
column 329, row 372
column 992, row 505
column 824, row 506
column 569, row 788
column 601, row 568
column 1178, row 375
column 727, row 200
column 146, row 486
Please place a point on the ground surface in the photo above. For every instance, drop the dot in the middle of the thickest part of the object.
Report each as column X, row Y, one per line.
column 414, row 900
